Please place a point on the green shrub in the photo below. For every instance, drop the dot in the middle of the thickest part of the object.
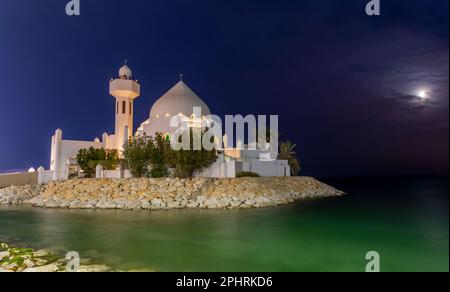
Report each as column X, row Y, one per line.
column 153, row 156
column 246, row 174
column 88, row 159
column 137, row 153
column 187, row 162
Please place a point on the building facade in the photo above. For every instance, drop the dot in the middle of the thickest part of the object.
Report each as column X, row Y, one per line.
column 179, row 102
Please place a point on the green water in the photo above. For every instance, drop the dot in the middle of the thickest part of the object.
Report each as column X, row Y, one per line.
column 406, row 221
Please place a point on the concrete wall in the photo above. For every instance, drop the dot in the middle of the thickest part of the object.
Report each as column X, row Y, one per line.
column 18, row 179
column 62, row 150
column 113, row 174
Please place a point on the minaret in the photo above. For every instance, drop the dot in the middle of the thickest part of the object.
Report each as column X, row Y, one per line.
column 125, row 90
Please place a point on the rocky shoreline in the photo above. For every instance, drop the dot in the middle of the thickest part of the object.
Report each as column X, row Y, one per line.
column 169, row 193
column 16, row 195
column 20, row 259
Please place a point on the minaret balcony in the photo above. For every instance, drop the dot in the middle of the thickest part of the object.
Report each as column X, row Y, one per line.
column 124, row 88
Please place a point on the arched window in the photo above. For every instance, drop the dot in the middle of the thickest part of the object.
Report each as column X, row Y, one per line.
column 124, row 107
column 168, row 137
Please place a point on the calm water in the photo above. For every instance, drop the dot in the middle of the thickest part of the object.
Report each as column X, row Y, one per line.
column 406, row 221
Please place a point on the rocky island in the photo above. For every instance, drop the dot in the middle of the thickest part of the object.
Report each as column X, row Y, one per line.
column 168, row 193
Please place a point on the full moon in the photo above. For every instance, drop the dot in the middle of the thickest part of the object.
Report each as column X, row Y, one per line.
column 422, row 94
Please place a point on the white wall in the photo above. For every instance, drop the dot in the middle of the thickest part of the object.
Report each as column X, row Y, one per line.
column 270, row 168
column 46, row 176
column 113, row 174
column 24, row 178
column 62, row 150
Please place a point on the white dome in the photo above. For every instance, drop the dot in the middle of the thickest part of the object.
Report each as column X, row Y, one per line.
column 125, row 71
column 180, row 99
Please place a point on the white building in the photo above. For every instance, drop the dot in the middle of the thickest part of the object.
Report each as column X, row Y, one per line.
column 178, row 101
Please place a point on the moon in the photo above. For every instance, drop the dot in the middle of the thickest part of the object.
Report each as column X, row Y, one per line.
column 422, row 94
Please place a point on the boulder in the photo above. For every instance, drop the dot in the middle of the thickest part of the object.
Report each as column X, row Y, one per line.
column 94, row 269
column 43, row 269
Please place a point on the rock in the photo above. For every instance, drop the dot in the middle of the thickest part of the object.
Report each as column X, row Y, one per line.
column 41, row 253
column 2, row 270
column 94, row 269
column 202, row 199
column 169, row 193
column 173, row 205
column 193, row 204
column 145, row 204
column 28, row 263
column 4, row 254
column 263, row 202
column 43, row 269
column 19, row 194
column 211, row 203
column 10, row 266
column 235, row 204
column 157, row 203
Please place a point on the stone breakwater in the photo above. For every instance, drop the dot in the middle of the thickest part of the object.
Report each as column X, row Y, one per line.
column 170, row 193
column 16, row 195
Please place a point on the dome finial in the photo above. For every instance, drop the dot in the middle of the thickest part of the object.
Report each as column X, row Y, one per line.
column 125, row 72
column 181, row 76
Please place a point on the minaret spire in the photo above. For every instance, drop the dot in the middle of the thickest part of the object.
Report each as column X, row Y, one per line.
column 125, row 90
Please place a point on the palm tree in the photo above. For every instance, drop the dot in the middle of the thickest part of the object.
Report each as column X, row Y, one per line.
column 287, row 153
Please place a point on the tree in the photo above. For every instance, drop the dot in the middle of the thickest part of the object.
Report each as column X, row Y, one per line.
column 88, row 159
column 152, row 156
column 187, row 162
column 136, row 154
column 158, row 154
column 287, row 153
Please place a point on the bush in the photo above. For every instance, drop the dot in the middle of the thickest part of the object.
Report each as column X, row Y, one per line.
column 158, row 156
column 159, row 171
column 152, row 156
column 187, row 162
column 136, row 153
column 246, row 174
column 88, row 159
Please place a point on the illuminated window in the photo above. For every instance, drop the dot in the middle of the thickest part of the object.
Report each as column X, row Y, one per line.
column 168, row 137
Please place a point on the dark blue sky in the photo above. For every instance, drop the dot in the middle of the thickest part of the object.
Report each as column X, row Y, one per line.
column 344, row 84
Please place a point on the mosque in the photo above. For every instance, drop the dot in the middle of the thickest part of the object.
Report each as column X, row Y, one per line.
column 179, row 101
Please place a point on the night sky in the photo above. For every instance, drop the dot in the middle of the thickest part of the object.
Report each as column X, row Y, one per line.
column 344, row 84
